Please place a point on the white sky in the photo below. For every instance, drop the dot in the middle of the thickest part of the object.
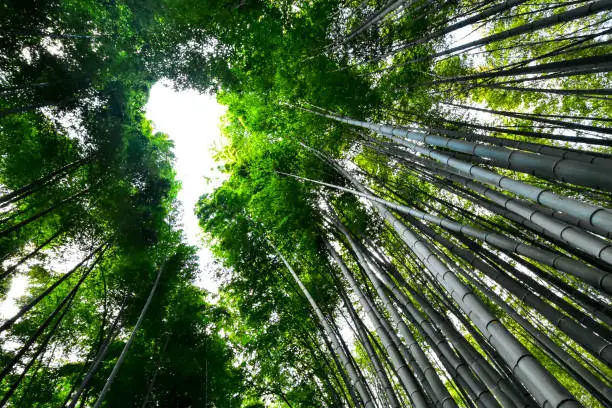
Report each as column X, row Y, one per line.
column 192, row 121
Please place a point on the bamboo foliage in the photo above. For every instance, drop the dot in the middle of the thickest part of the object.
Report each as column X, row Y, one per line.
column 484, row 266
column 445, row 242
column 575, row 329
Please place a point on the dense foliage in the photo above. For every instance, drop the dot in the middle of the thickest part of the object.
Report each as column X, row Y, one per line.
column 416, row 211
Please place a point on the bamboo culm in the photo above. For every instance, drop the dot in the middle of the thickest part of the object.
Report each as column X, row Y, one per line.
column 536, row 378
column 406, row 377
column 597, row 216
column 127, row 345
column 99, row 357
column 596, row 277
column 353, row 376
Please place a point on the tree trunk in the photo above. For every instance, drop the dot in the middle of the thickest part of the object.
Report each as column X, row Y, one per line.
column 406, row 377
column 595, row 277
column 126, row 348
column 9, row 393
column 595, row 215
column 43, row 213
column 42, row 181
column 9, row 322
column 99, row 357
column 537, row 118
column 374, row 358
column 26, row 346
column 506, row 5
column 567, row 16
column 354, row 378
column 536, row 378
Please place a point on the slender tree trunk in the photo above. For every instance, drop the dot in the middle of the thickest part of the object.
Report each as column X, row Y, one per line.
column 126, row 348
column 563, row 92
column 600, row 390
column 375, row 19
column 587, row 338
column 406, row 377
column 413, row 346
column 99, row 357
column 9, row 322
column 595, row 215
column 538, row 118
column 35, row 185
column 9, row 393
column 354, row 378
column 594, row 64
column 374, row 358
column 549, row 136
column 347, row 352
column 535, row 377
column 506, row 5
column 595, row 277
column 541, row 165
column 328, row 372
column 36, row 250
column 43, row 213
column 532, row 214
column 347, row 382
column 437, row 342
column 152, row 382
column 26, row 346
column 567, row 16
column 546, row 150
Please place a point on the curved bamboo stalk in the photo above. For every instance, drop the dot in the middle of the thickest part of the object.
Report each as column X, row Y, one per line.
column 564, row 17
column 549, row 136
column 597, row 63
column 9, row 393
column 587, row 338
column 600, row 390
column 598, row 278
column 36, row 250
column 547, row 150
column 127, row 345
column 536, row 378
column 406, row 377
column 566, row 92
column 375, row 19
column 564, row 218
column 538, row 118
column 506, row 5
column 595, row 215
column 456, row 365
column 44, row 212
column 9, row 322
column 354, row 378
column 26, row 346
column 502, row 390
column 541, row 165
column 42, row 181
column 414, row 348
column 589, row 243
column 364, row 338
column 99, row 357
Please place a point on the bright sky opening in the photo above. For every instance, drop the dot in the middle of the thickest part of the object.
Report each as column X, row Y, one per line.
column 192, row 121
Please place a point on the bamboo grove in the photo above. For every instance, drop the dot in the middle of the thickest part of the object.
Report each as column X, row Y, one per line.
column 448, row 224
column 417, row 210
column 109, row 316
